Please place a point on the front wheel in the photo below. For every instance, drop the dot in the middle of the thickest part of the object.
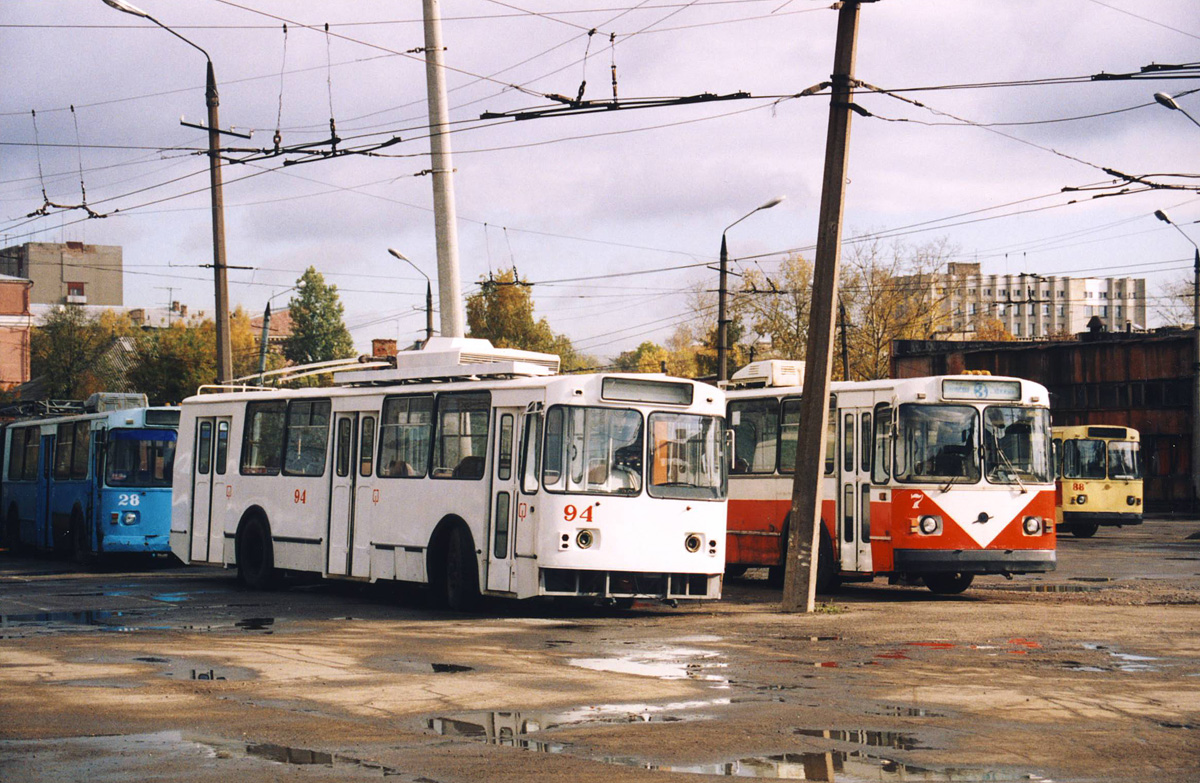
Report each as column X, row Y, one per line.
column 460, row 575
column 948, row 584
column 1084, row 531
column 256, row 556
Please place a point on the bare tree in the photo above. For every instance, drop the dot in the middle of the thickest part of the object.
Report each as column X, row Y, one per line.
column 1173, row 305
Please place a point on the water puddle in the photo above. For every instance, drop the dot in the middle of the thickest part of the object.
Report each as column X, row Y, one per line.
column 256, row 624
column 667, row 663
column 1034, row 588
column 902, row 711
column 895, row 740
column 1122, row 662
column 845, row 766
column 450, row 668
column 513, row 727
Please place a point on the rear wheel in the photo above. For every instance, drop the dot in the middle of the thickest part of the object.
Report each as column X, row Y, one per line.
column 460, row 573
column 828, row 580
column 256, row 555
column 1085, row 530
column 948, row 584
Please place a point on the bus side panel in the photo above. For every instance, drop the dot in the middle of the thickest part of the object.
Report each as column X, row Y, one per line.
column 755, row 531
column 149, row 534
column 65, row 498
column 20, row 498
column 829, row 519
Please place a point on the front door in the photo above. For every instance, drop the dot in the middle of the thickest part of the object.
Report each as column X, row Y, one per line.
column 341, row 493
column 503, row 501
column 854, row 495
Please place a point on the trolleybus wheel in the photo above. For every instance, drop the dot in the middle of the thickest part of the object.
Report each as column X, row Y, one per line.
column 948, row 584
column 1085, row 530
column 80, row 545
column 827, row 567
column 256, row 555
column 460, row 576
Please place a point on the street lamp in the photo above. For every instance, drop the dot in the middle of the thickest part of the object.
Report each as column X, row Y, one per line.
column 428, row 293
column 220, row 280
column 1166, row 100
column 1158, row 213
column 722, row 321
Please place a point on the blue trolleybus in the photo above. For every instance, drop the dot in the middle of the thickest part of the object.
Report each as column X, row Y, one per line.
column 90, row 484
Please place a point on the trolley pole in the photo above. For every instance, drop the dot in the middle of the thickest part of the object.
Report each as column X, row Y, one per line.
column 799, row 587
column 444, row 213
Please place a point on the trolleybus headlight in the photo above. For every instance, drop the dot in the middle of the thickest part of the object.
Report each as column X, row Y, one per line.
column 1032, row 526
column 584, row 539
column 129, row 518
column 930, row 525
column 1080, row 500
column 693, row 542
column 1131, row 500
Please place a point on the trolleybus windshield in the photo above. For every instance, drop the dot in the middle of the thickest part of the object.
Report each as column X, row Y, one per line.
column 140, row 458
column 936, row 443
column 1016, row 444
column 685, row 457
column 593, row 450
column 1124, row 460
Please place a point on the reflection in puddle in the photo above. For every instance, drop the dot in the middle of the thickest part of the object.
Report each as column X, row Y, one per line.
column 1123, row 662
column 901, row 711
column 495, row 728
column 450, row 668
column 669, row 663
column 286, row 755
column 255, row 623
column 1036, row 588
column 55, row 618
column 829, row 766
column 874, row 739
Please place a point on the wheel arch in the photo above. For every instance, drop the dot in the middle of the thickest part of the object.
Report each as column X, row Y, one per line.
column 436, row 551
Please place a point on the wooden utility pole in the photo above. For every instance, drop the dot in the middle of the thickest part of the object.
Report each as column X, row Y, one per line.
column 800, row 581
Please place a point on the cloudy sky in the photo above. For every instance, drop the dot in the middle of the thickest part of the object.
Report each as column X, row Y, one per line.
column 982, row 166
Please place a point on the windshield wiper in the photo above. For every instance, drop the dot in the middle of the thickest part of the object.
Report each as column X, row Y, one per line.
column 1007, row 463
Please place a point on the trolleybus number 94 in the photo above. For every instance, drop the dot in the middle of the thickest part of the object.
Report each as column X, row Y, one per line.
column 570, row 513
column 300, row 496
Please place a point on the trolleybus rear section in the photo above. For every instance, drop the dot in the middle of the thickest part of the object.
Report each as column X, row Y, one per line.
column 472, row 469
column 932, row 479
column 1099, row 470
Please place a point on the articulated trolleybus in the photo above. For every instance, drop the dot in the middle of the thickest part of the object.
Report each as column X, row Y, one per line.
column 1099, row 478
column 933, row 479
column 94, row 483
column 471, row 468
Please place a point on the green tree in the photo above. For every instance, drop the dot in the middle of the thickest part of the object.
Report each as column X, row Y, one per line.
column 64, row 353
column 318, row 333
column 502, row 313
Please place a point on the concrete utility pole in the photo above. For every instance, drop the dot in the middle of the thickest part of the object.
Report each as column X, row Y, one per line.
column 800, row 580
column 444, row 213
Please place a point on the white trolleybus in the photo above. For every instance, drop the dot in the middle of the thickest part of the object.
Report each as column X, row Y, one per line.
column 932, row 479
column 474, row 469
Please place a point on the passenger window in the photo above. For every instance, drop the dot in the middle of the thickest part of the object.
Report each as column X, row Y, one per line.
column 405, row 427
column 262, row 439
column 848, row 509
column 882, row 467
column 16, row 453
column 504, row 455
column 63, row 444
column 83, row 450
column 222, row 446
column 788, row 433
column 531, row 453
column 755, row 424
column 342, row 463
column 307, row 437
column 204, row 448
column 366, row 446
column 33, row 440
column 460, row 449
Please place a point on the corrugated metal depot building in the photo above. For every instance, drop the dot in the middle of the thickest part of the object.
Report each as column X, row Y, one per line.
column 1141, row 380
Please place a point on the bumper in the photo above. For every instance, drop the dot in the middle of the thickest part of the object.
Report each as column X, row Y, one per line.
column 977, row 561
column 623, row 584
column 139, row 544
column 1102, row 518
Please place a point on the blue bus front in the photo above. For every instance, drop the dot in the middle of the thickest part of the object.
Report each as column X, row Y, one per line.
column 134, row 504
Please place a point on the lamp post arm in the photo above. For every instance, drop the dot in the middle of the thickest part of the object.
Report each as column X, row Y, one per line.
column 180, row 37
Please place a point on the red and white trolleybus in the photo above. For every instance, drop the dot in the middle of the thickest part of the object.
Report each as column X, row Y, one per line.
column 933, row 479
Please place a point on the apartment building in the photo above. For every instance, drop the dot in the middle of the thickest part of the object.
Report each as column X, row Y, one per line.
column 68, row 272
column 1032, row 306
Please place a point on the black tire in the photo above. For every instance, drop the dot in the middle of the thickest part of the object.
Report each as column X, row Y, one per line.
column 459, row 582
column 735, row 571
column 948, row 584
column 776, row 576
column 1086, row 530
column 256, row 555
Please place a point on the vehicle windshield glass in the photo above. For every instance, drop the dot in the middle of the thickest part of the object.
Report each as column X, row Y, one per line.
column 140, row 458
column 1124, row 460
column 1016, row 444
column 937, row 443
column 1083, row 459
column 593, row 451
column 686, row 457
